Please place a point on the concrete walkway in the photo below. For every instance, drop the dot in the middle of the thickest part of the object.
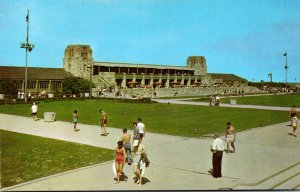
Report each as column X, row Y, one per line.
column 266, row 158
column 186, row 102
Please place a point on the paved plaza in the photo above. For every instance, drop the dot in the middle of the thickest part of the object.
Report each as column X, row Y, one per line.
column 266, row 158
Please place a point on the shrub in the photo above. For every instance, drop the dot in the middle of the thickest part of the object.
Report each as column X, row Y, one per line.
column 75, row 85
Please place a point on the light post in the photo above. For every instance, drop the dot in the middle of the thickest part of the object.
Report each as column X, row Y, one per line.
column 286, row 68
column 29, row 48
column 91, row 74
column 270, row 76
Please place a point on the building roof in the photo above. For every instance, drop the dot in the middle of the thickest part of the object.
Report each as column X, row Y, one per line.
column 36, row 73
column 116, row 64
column 226, row 77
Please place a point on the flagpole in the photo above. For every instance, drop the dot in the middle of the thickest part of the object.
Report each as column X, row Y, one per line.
column 27, row 26
column 29, row 48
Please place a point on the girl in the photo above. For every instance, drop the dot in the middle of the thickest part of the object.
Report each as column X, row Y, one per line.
column 138, row 150
column 120, row 159
column 75, row 120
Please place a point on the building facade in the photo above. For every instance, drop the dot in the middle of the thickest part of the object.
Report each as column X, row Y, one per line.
column 38, row 79
column 128, row 77
column 78, row 61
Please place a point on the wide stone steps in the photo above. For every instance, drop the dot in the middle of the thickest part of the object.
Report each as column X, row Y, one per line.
column 288, row 178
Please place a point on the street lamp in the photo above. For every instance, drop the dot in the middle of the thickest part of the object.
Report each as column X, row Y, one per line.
column 270, row 76
column 91, row 74
column 286, row 68
column 28, row 46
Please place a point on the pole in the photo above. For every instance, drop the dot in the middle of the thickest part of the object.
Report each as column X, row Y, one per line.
column 27, row 26
column 270, row 76
column 91, row 73
column 286, row 68
column 29, row 48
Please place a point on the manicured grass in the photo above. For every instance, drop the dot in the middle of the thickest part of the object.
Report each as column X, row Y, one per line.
column 170, row 119
column 267, row 100
column 25, row 157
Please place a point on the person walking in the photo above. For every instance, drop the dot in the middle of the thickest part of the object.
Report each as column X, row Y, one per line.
column 34, row 110
column 125, row 138
column 138, row 150
column 103, row 122
column 210, row 100
column 293, row 116
column 135, row 131
column 230, row 137
column 120, row 157
column 217, row 149
column 75, row 120
column 217, row 101
column 141, row 128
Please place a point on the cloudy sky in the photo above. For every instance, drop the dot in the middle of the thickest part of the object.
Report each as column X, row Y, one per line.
column 244, row 37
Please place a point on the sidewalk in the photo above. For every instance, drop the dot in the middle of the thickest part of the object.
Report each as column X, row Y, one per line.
column 185, row 102
column 266, row 157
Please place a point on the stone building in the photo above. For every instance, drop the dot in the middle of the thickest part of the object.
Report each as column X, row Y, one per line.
column 78, row 60
column 38, row 79
column 128, row 77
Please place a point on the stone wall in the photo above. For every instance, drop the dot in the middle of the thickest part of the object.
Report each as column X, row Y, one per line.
column 78, row 60
column 187, row 91
column 198, row 63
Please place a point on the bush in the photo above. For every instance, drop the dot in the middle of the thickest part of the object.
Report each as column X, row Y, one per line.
column 75, row 85
column 8, row 87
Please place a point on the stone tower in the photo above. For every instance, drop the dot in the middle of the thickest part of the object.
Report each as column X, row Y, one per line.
column 78, row 60
column 198, row 63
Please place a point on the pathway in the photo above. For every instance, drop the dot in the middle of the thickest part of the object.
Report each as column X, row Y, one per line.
column 266, row 158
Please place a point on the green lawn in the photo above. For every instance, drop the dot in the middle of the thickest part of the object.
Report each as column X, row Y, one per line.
column 159, row 118
column 267, row 100
column 26, row 157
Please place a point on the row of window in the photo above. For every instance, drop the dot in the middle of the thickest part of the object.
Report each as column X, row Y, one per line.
column 41, row 84
column 98, row 69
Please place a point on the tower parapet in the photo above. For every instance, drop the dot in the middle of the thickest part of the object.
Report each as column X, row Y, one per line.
column 198, row 63
column 78, row 60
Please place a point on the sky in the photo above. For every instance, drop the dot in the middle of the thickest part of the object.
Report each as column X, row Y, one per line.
column 243, row 37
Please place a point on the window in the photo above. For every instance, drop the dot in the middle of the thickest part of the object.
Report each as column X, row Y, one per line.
column 43, row 84
column 31, row 85
column 55, row 85
column 19, row 84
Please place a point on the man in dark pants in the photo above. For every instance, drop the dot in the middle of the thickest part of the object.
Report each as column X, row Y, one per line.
column 217, row 149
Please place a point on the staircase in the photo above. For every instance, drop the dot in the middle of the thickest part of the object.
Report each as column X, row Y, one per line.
column 108, row 84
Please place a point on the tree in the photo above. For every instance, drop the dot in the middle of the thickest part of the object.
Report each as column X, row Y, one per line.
column 8, row 87
column 75, row 85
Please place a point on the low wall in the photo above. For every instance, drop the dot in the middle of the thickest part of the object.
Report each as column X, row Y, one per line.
column 187, row 91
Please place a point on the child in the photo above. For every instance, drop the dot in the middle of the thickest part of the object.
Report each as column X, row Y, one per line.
column 142, row 167
column 75, row 120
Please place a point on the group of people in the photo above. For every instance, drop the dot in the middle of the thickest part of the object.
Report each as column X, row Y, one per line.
column 126, row 151
column 218, row 146
column 132, row 153
column 214, row 100
column 29, row 96
column 103, row 122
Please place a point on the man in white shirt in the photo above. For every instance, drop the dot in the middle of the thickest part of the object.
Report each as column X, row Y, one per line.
column 217, row 100
column 34, row 110
column 217, row 149
column 141, row 128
